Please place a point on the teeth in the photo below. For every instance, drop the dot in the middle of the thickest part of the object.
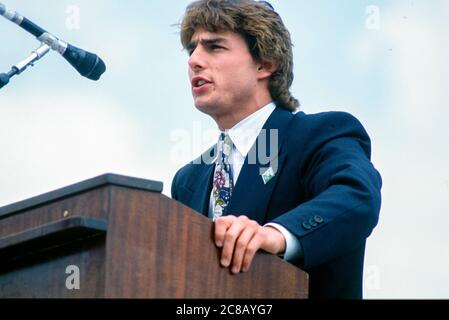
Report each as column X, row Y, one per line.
column 201, row 82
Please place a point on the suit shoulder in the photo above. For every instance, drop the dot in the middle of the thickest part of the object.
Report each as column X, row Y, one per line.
column 333, row 119
column 330, row 124
column 208, row 157
column 318, row 129
column 181, row 178
column 187, row 169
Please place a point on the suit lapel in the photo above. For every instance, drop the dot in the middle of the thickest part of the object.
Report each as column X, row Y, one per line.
column 203, row 183
column 252, row 193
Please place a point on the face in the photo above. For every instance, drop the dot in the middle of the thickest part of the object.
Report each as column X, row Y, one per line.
column 224, row 76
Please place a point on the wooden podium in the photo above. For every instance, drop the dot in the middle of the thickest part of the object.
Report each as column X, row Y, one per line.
column 119, row 237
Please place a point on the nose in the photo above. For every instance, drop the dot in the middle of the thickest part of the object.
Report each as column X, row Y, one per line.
column 196, row 60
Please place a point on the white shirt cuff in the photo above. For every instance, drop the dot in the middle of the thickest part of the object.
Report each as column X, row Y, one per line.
column 293, row 248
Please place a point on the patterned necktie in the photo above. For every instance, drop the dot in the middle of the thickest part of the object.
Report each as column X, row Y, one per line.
column 223, row 180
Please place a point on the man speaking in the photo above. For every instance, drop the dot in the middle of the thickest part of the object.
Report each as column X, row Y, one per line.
column 295, row 185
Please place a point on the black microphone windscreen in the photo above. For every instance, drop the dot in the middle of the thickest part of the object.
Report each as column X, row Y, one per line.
column 89, row 65
column 4, row 80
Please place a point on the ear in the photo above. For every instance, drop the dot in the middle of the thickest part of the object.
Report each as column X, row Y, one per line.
column 266, row 69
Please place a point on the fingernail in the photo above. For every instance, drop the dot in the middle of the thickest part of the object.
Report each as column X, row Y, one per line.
column 235, row 270
column 225, row 263
column 219, row 244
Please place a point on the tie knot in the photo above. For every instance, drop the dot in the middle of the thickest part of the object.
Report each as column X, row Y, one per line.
column 226, row 139
column 225, row 146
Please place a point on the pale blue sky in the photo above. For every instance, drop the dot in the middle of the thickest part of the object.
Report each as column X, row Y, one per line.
column 57, row 128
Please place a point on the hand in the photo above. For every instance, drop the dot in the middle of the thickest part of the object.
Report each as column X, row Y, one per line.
column 241, row 238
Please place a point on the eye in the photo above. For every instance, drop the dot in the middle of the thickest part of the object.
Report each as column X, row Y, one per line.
column 216, row 47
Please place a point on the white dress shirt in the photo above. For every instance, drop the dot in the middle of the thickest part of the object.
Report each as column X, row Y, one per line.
column 244, row 135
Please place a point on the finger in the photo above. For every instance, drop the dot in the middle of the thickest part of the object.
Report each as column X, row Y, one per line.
column 221, row 227
column 241, row 245
column 251, row 249
column 232, row 234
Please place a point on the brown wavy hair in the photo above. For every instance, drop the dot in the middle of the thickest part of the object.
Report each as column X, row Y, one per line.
column 263, row 29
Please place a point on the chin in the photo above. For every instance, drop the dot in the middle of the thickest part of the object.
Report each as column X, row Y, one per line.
column 207, row 108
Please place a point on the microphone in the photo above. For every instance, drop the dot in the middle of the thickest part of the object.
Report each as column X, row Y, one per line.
column 88, row 64
column 23, row 65
column 4, row 80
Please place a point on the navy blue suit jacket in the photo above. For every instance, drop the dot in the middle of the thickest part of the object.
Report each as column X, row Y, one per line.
column 325, row 191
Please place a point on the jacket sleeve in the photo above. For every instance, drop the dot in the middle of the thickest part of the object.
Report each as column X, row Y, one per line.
column 342, row 187
column 174, row 186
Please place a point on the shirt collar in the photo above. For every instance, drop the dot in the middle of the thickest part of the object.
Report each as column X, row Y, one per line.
column 244, row 134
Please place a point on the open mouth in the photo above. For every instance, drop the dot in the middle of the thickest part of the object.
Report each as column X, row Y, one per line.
column 199, row 82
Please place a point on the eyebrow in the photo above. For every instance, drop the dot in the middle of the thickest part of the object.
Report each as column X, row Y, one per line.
column 205, row 42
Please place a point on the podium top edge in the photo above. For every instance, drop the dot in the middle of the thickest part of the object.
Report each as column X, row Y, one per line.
column 100, row 181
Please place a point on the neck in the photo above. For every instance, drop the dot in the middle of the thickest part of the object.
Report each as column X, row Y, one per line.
column 228, row 121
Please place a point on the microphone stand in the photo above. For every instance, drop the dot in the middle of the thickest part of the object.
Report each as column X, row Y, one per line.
column 23, row 65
